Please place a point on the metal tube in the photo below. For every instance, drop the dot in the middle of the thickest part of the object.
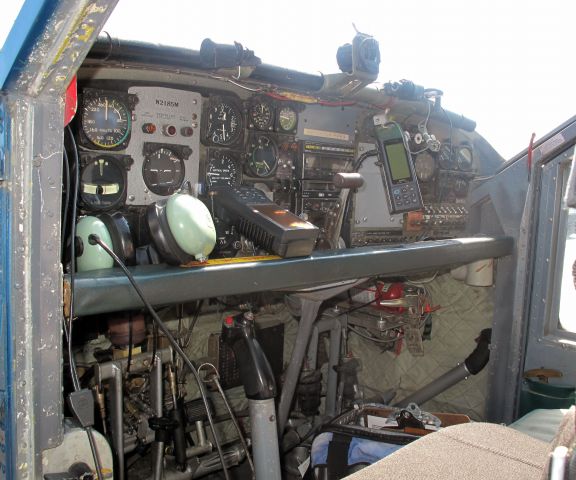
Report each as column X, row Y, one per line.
column 156, row 386
column 202, row 446
column 117, row 417
column 334, row 325
column 264, row 439
column 333, row 360
column 312, row 352
column 198, row 450
column 114, row 371
column 309, row 312
column 156, row 398
column 200, row 432
column 158, row 458
column 442, row 383
column 321, row 326
column 233, row 455
column 140, row 363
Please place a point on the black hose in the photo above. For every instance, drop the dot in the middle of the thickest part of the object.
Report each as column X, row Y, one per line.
column 95, row 239
column 66, row 204
column 363, row 157
column 71, row 361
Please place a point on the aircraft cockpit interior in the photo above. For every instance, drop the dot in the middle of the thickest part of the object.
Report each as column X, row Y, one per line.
column 226, row 269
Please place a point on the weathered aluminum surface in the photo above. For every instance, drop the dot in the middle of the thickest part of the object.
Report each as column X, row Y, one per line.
column 6, row 401
column 512, row 195
column 49, row 53
column 549, row 345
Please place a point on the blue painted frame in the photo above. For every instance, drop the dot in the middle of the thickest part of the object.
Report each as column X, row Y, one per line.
column 27, row 27
column 7, row 420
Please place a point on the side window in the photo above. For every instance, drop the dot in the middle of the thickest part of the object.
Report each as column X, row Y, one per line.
column 567, row 308
column 564, row 316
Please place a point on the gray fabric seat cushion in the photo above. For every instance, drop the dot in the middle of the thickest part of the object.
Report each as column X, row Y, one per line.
column 541, row 424
column 467, row 451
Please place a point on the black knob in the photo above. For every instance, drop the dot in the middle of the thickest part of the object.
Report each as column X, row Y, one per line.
column 163, row 428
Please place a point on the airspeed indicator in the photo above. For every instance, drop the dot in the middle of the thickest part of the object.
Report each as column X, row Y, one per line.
column 106, row 121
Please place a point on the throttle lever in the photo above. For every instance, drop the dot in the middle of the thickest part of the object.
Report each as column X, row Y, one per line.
column 255, row 370
column 260, row 389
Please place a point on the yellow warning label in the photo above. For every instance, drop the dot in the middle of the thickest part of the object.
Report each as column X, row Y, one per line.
column 326, row 134
column 232, row 260
column 298, row 97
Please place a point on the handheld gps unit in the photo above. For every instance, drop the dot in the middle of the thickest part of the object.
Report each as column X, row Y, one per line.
column 400, row 182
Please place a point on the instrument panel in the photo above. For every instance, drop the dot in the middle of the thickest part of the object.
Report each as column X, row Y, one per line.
column 143, row 143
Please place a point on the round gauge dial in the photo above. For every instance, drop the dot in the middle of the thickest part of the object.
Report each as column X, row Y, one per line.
column 264, row 159
column 163, row 171
column 464, row 158
column 102, row 183
column 425, row 166
column 222, row 171
column 106, row 121
column 287, row 119
column 224, row 123
column 261, row 115
column 445, row 156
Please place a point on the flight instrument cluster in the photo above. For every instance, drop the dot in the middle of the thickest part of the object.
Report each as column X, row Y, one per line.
column 141, row 143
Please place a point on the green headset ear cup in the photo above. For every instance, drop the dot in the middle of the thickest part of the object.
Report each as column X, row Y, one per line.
column 191, row 225
column 93, row 257
column 181, row 228
column 162, row 236
column 121, row 236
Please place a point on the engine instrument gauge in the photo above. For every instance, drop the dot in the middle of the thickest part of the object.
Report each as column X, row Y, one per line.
column 221, row 171
column 260, row 115
column 464, row 158
column 224, row 123
column 425, row 166
column 263, row 161
column 287, row 119
column 446, row 157
column 163, row 171
column 102, row 183
column 106, row 121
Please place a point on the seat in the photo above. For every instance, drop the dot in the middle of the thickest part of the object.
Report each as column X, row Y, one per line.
column 541, row 423
column 466, row 451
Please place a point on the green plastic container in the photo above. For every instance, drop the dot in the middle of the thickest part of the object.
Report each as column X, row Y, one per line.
column 536, row 394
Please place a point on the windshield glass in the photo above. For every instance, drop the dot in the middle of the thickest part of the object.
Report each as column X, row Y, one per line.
column 502, row 64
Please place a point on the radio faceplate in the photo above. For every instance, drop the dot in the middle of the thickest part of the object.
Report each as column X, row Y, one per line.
column 318, row 200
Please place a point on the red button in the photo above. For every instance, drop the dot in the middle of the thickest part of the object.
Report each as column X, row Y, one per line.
column 186, row 131
column 169, row 130
column 229, row 321
column 149, row 128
